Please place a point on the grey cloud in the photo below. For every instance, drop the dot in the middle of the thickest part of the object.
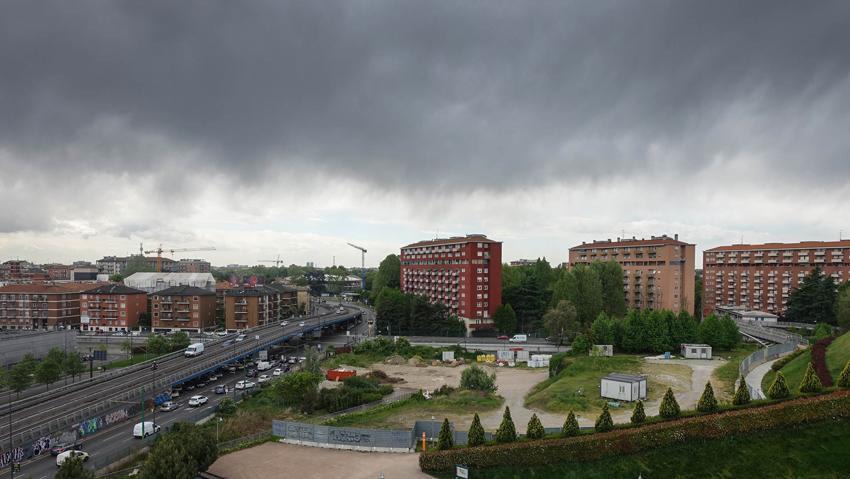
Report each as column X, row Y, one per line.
column 481, row 94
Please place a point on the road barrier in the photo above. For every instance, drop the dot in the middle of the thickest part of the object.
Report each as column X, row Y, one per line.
column 759, row 357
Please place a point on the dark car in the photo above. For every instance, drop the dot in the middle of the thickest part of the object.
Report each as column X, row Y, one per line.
column 250, row 373
column 231, row 368
column 199, row 383
column 87, row 357
column 227, row 343
column 220, row 389
column 219, row 373
column 65, row 446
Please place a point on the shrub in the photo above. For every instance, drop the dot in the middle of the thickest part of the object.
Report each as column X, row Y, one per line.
column 330, row 349
column 475, row 436
column 571, row 427
column 811, row 382
column 819, row 361
column 779, row 388
column 844, row 379
column 226, row 407
column 557, row 364
column 580, row 346
column 780, row 363
column 446, row 441
column 475, row 378
column 535, row 429
column 604, row 422
column 742, row 395
column 707, row 402
column 507, row 431
column 361, row 382
column 638, row 416
column 385, row 389
column 669, row 406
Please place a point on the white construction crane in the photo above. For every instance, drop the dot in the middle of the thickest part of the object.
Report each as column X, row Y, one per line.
column 159, row 252
column 276, row 262
column 362, row 266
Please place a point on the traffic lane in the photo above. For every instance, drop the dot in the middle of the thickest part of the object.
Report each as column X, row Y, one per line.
column 114, row 439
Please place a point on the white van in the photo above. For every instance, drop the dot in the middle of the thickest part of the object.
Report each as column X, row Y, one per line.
column 194, row 350
column 518, row 338
column 263, row 365
column 150, row 428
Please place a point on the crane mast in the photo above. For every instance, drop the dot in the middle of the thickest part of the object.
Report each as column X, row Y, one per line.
column 362, row 266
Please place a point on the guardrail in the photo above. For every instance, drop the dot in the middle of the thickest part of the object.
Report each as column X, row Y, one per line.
column 757, row 330
column 758, row 357
column 223, row 446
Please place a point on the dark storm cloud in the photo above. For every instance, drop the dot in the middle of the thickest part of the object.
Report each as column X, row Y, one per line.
column 484, row 94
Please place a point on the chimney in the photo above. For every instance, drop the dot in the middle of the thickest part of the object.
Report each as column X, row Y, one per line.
column 676, row 236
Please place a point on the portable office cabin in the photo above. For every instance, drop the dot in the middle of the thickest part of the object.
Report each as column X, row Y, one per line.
column 696, row 351
column 623, row 387
column 601, row 350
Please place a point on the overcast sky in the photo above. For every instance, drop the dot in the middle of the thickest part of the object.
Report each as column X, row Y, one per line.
column 292, row 128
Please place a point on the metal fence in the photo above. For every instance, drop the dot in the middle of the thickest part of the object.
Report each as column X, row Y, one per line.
column 223, row 446
column 343, row 436
column 121, row 473
column 363, row 407
column 751, row 328
column 766, row 354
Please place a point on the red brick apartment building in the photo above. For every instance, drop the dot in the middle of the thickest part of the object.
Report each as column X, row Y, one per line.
column 40, row 305
column 463, row 273
column 249, row 307
column 183, row 308
column 112, row 307
column 658, row 273
column 761, row 277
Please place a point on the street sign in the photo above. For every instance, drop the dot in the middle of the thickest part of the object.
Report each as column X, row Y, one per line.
column 16, row 467
column 462, row 472
column 100, row 354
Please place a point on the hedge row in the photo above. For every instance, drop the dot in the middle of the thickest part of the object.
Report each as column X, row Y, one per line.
column 819, row 360
column 417, row 397
column 596, row 446
column 780, row 363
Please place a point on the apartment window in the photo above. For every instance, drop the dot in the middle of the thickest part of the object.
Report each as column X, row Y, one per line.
column 486, row 287
column 479, row 245
column 479, row 270
column 479, row 279
column 194, row 306
column 677, row 248
column 462, row 295
column 195, row 298
column 13, row 297
column 479, row 287
column 479, row 296
column 676, row 255
column 675, row 280
column 486, row 303
column 676, row 288
column 123, row 313
column 463, row 303
column 122, row 297
column 675, row 305
column 478, row 313
column 675, row 296
column 85, row 305
column 480, row 254
column 478, row 304
column 123, row 305
column 676, row 272
column 486, row 295
column 486, row 270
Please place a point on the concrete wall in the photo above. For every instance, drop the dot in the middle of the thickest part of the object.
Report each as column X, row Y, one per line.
column 13, row 345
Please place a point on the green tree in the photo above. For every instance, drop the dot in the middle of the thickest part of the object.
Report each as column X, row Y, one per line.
column 842, row 307
column 561, row 322
column 389, row 274
column 604, row 422
column 634, row 336
column 581, row 345
column 156, row 344
column 74, row 468
column 505, row 319
column 183, row 454
column 227, row 407
column 73, row 365
column 571, row 427
column 712, row 332
column 507, row 431
column 116, row 278
column 707, row 402
column 127, row 347
column 137, row 264
column 698, row 292
column 51, row 367
column 613, row 297
column 511, row 276
column 731, row 333
column 476, row 436
column 144, row 320
column 657, row 334
column 476, row 379
column 603, row 330
column 638, row 416
column 742, row 394
column 19, row 376
column 179, row 340
column 814, row 300
column 779, row 388
column 295, row 385
column 446, row 441
column 312, row 364
column 844, row 378
column 535, row 428
column 669, row 406
column 811, row 382
column 689, row 328
column 582, row 287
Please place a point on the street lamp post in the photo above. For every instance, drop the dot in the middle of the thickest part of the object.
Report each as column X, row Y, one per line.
column 153, row 400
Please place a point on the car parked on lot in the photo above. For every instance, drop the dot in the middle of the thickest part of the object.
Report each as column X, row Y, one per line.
column 220, row 389
column 61, row 458
column 245, row 385
column 65, row 446
column 169, row 406
column 196, row 401
column 189, row 386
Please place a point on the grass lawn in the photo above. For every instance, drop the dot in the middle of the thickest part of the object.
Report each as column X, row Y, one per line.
column 559, row 394
column 837, row 355
column 364, row 360
column 819, row 451
column 137, row 358
column 723, row 379
column 793, row 372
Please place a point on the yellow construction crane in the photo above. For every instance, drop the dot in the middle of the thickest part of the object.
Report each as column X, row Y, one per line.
column 277, row 263
column 159, row 252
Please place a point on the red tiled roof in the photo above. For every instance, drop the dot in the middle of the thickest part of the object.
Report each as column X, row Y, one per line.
column 465, row 239
column 769, row 246
column 46, row 288
column 630, row 243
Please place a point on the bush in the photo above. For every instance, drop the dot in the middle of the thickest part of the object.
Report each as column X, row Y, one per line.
column 535, row 429
column 780, row 363
column 604, row 422
column 476, row 436
column 819, row 361
column 707, row 402
column 742, row 395
column 811, row 382
column 558, row 363
column 580, row 346
column 475, row 378
column 693, row 430
column 361, row 382
column 844, row 379
column 446, row 440
column 385, row 389
column 638, row 416
column 507, row 431
column 779, row 388
column 227, row 407
column 571, row 427
column 330, row 349
column 669, row 406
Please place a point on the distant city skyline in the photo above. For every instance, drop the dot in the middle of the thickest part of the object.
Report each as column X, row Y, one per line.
column 293, row 129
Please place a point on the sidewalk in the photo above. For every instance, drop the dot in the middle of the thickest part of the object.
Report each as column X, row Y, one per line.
column 755, row 377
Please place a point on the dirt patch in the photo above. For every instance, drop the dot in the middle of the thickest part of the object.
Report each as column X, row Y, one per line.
column 383, row 378
column 395, row 360
column 414, row 361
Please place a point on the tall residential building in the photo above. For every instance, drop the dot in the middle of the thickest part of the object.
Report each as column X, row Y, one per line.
column 183, row 308
column 117, row 264
column 192, row 266
column 40, row 305
column 246, row 308
column 463, row 273
column 762, row 276
column 112, row 307
column 658, row 273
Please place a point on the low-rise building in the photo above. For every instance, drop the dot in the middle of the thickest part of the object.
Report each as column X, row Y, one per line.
column 523, row 262
column 184, row 308
column 155, row 282
column 40, row 306
column 192, row 266
column 112, row 308
column 247, row 308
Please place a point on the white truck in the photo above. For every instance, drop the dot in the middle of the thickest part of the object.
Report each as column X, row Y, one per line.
column 194, row 350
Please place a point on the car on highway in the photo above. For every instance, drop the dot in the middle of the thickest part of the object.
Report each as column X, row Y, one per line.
column 87, row 357
column 189, row 386
column 196, row 401
column 502, row 337
column 61, row 458
column 250, row 373
column 227, row 343
column 241, row 337
column 263, row 378
column 65, row 446
column 231, row 368
column 200, row 382
column 284, row 323
column 278, row 372
column 292, row 360
column 219, row 373
column 220, row 389
column 341, row 311
column 169, row 406
column 302, row 324
column 245, row 385
column 145, row 429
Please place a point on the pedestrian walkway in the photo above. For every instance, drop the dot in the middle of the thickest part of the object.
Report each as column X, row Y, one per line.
column 755, row 377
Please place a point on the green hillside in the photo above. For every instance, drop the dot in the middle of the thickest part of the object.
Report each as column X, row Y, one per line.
column 793, row 371
column 837, row 355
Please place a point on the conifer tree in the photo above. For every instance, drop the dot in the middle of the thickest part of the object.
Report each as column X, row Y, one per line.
column 811, row 382
column 638, row 416
column 604, row 422
column 779, row 388
column 707, row 402
column 844, row 379
column 742, row 395
column 669, row 406
column 507, row 430
column 535, row 428
column 571, row 427
column 476, row 436
column 446, row 441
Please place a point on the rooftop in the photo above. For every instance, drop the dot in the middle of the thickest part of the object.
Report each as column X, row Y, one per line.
column 628, row 242
column 769, row 246
column 470, row 238
column 185, row 290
